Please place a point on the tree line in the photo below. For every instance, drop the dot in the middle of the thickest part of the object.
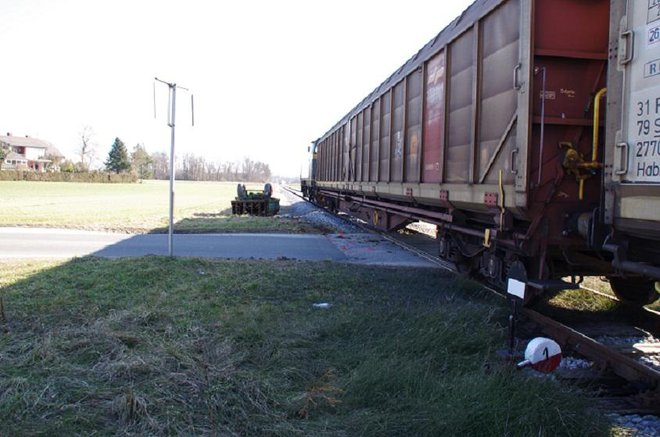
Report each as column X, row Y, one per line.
column 156, row 165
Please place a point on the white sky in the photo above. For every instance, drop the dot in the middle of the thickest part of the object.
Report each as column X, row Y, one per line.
column 268, row 76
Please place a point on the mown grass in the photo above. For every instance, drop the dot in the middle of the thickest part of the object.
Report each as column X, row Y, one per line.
column 195, row 347
column 131, row 208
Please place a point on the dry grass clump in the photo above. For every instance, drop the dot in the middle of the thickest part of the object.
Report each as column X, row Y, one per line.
column 130, row 408
column 322, row 393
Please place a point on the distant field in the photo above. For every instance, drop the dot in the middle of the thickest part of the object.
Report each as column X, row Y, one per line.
column 143, row 207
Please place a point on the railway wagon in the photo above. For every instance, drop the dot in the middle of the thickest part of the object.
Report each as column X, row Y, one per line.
column 495, row 132
column 631, row 176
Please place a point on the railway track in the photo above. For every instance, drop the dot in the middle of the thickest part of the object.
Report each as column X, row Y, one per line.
column 623, row 354
column 626, row 372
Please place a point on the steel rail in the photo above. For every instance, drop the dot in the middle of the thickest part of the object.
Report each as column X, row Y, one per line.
column 623, row 366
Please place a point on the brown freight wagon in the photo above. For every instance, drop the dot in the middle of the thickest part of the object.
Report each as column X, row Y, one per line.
column 631, row 200
column 493, row 131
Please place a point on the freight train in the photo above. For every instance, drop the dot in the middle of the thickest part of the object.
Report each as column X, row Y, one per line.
column 528, row 132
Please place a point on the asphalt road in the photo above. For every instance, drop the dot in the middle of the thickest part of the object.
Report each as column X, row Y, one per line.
column 29, row 243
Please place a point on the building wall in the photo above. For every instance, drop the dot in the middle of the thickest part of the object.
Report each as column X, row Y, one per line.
column 34, row 153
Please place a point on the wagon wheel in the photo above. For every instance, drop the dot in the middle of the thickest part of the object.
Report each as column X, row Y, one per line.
column 634, row 291
column 449, row 251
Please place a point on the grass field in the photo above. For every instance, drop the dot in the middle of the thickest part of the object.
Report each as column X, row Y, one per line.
column 142, row 207
column 159, row 346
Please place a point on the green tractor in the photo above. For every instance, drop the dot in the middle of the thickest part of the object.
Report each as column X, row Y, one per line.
column 253, row 202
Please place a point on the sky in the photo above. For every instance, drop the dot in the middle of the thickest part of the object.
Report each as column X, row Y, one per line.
column 268, row 77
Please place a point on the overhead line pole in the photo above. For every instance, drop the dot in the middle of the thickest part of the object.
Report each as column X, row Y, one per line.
column 172, row 124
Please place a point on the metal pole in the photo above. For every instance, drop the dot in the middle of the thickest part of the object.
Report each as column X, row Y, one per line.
column 170, row 245
column 171, row 123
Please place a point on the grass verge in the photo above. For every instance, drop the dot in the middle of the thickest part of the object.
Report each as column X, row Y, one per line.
column 184, row 346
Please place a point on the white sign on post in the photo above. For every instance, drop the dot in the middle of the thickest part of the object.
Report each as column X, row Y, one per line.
column 516, row 288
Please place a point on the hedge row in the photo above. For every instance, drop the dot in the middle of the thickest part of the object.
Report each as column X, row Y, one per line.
column 97, row 177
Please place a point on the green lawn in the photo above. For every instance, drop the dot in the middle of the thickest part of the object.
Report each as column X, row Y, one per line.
column 141, row 207
column 159, row 346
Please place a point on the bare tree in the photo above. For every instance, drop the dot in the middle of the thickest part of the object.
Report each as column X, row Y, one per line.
column 248, row 168
column 196, row 168
column 161, row 165
column 229, row 171
column 192, row 168
column 211, row 171
column 87, row 150
column 261, row 172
